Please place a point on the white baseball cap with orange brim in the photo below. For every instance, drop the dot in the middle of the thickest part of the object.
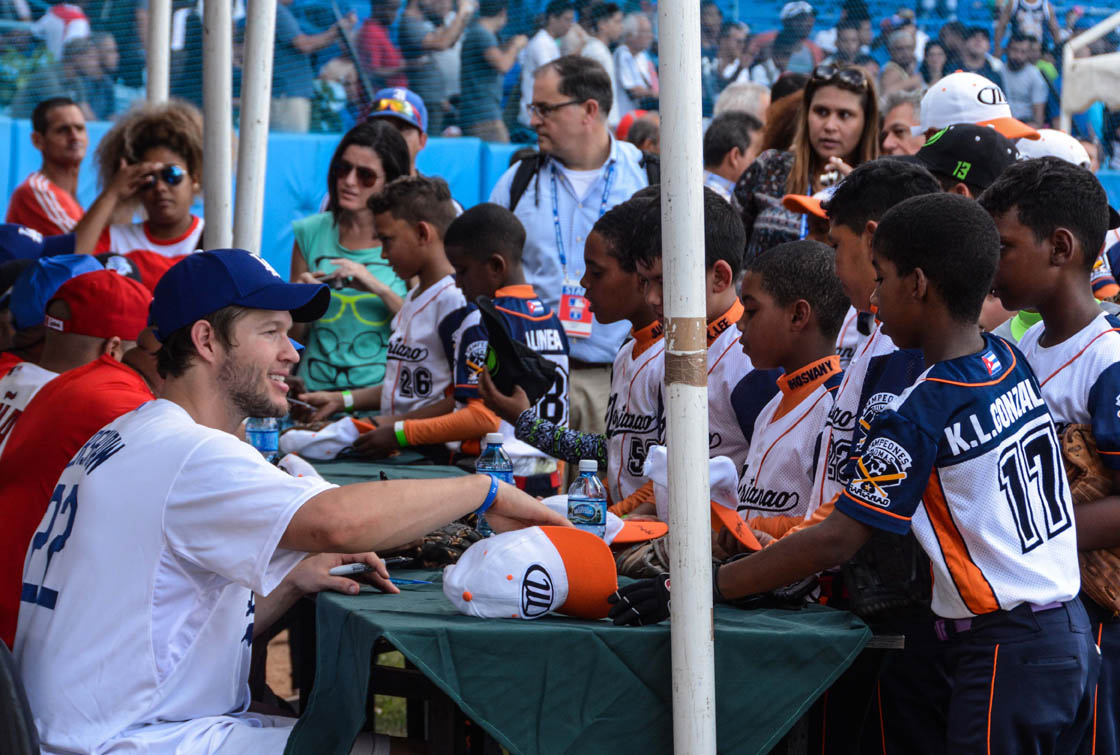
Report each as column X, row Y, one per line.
column 964, row 97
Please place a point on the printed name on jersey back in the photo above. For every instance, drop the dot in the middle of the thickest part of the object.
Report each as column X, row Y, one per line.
column 1004, row 412
column 99, row 449
column 545, row 341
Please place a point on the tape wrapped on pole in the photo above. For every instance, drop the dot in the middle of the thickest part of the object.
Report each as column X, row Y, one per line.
column 682, row 229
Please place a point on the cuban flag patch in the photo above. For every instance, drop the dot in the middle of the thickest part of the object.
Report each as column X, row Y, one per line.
column 991, row 362
column 535, row 307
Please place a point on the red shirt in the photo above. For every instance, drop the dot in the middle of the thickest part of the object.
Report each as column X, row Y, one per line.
column 376, row 50
column 41, row 204
column 64, row 414
column 7, row 362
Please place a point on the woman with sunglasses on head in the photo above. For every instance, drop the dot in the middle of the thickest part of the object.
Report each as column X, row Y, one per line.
column 151, row 157
column 837, row 129
column 346, row 347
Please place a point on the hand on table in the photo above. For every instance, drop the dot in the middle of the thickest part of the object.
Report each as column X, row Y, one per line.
column 312, row 575
column 508, row 408
column 641, row 603
column 513, row 509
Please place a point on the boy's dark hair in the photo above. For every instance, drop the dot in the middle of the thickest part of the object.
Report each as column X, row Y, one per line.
column 948, row 182
column 974, row 30
column 952, row 239
column 39, row 114
column 1050, row 193
column 491, row 8
column 599, row 12
column 557, row 8
column 581, row 79
column 617, row 225
column 804, row 270
column 486, row 229
column 728, row 26
column 726, row 132
column 875, row 187
column 416, row 198
column 724, row 236
column 376, row 135
column 849, row 22
column 177, row 351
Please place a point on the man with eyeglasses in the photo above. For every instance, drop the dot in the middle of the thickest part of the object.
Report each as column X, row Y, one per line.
column 581, row 173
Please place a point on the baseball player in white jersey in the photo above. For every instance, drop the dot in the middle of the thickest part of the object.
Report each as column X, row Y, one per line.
column 164, row 526
column 635, row 409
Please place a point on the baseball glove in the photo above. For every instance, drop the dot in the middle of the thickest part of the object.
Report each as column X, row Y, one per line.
column 1091, row 480
column 439, row 547
column 644, row 560
column 888, row 577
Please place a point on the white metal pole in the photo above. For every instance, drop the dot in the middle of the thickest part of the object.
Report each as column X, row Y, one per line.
column 252, row 152
column 217, row 109
column 686, row 378
column 159, row 50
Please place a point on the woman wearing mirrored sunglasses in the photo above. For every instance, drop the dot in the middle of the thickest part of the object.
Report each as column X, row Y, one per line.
column 837, row 129
column 339, row 247
column 151, row 157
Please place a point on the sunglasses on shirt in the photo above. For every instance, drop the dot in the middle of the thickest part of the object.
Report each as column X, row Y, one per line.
column 367, row 177
column 172, row 175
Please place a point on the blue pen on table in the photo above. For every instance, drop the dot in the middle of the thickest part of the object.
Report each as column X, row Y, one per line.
column 347, row 570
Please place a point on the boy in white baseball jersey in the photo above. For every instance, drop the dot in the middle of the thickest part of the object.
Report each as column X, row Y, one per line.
column 793, row 306
column 411, row 215
column 1051, row 216
column 635, row 416
column 171, row 522
column 968, row 458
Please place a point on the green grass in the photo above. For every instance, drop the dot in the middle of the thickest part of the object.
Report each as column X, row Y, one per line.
column 389, row 712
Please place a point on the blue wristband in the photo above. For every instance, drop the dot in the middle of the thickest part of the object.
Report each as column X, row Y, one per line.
column 490, row 496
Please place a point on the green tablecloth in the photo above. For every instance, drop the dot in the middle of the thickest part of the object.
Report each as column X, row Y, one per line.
column 558, row 685
column 405, row 466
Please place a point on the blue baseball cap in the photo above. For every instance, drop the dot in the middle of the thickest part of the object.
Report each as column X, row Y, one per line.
column 18, row 242
column 398, row 102
column 38, row 283
column 205, row 282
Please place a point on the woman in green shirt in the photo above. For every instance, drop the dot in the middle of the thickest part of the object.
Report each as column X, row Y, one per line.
column 346, row 347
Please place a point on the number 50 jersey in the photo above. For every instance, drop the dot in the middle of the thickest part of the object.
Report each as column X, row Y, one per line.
column 968, row 457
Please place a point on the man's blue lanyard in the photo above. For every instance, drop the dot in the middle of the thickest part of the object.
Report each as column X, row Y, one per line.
column 556, row 212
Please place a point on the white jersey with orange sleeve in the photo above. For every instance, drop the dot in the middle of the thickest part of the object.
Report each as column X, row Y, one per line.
column 877, row 374
column 850, row 338
column 635, row 409
column 1080, row 379
column 968, row 458
column 777, row 478
column 417, row 368
column 17, row 388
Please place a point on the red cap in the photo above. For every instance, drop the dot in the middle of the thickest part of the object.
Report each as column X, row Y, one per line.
column 151, row 265
column 103, row 304
column 623, row 128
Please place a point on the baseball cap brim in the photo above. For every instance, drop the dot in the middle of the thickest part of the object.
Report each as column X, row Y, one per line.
column 61, row 244
column 1012, row 128
column 591, row 572
column 804, row 205
column 390, row 114
column 729, row 517
column 639, row 532
column 305, row 302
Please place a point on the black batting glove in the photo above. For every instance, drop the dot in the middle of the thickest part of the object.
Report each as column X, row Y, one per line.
column 640, row 603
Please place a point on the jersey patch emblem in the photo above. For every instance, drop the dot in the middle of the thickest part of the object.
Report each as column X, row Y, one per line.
column 882, row 466
column 991, row 363
column 476, row 360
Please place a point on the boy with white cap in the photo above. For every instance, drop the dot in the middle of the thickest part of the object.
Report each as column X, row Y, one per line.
column 964, row 97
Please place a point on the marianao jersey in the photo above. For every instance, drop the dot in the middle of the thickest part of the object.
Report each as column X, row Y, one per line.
column 968, row 457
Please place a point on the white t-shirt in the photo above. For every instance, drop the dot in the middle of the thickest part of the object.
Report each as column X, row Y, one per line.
column 417, row 369
column 132, row 237
column 631, row 71
column 1024, row 89
column 17, row 388
column 136, row 623
column 542, row 48
column 581, row 180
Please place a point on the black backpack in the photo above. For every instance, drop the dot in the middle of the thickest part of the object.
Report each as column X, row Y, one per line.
column 531, row 166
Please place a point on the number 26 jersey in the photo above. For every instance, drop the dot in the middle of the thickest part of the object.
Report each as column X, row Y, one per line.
column 969, row 458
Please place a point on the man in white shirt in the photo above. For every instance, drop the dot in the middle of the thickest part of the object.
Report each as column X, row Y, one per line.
column 543, row 48
column 187, row 542
column 635, row 76
column 605, row 23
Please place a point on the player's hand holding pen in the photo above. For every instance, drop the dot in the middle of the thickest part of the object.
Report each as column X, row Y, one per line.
column 313, row 573
column 323, row 404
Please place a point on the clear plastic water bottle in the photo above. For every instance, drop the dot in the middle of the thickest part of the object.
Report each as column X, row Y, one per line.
column 495, row 462
column 587, row 500
column 263, row 434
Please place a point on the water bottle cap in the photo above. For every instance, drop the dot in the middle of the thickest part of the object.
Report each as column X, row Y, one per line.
column 494, row 439
column 588, row 465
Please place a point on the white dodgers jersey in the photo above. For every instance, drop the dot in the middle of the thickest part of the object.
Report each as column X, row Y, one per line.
column 136, row 612
column 17, row 388
column 1080, row 379
column 968, row 458
column 635, row 409
column 533, row 323
column 777, row 478
column 417, row 368
column 877, row 374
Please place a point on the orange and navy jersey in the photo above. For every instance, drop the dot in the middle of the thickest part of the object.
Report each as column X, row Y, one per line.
column 777, row 478
column 968, row 458
column 1080, row 379
column 41, row 204
column 530, row 321
column 635, row 409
